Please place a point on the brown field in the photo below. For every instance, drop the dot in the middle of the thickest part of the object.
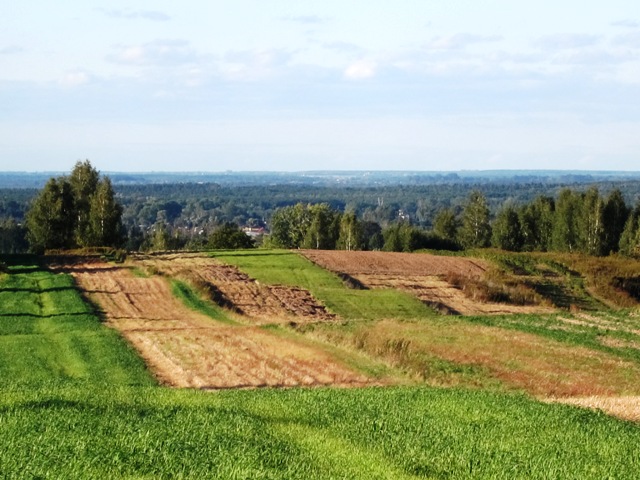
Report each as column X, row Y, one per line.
column 187, row 349
column 236, row 290
column 422, row 275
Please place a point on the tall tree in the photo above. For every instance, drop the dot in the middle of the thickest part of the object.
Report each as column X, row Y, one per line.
column 536, row 221
column 50, row 219
column 321, row 234
column 105, row 214
column 84, row 182
column 507, row 231
column 565, row 236
column 350, row 232
column 630, row 237
column 591, row 223
column 445, row 225
column 616, row 213
column 475, row 231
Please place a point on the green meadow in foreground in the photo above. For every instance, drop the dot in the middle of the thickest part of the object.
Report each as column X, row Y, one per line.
column 288, row 268
column 314, row 433
column 75, row 402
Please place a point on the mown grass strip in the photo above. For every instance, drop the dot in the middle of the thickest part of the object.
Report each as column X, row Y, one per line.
column 49, row 335
column 288, row 268
column 193, row 301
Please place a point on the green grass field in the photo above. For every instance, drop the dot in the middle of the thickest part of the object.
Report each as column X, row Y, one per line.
column 75, row 402
column 288, row 268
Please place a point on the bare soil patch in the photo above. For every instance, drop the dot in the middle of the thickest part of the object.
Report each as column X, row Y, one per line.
column 231, row 288
column 186, row 349
column 422, row 275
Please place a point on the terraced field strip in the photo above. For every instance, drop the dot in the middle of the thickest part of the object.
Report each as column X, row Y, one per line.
column 422, row 275
column 187, row 349
column 236, row 290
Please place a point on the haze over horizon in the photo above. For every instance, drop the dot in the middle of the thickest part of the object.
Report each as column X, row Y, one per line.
column 282, row 86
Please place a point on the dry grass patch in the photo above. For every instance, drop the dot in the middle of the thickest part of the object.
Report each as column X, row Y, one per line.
column 187, row 349
column 626, row 407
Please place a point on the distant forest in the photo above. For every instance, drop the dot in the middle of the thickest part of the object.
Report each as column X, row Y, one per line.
column 185, row 214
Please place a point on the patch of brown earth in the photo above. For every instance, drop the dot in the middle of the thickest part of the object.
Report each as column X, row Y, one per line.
column 441, row 295
column 395, row 263
column 231, row 288
column 186, row 349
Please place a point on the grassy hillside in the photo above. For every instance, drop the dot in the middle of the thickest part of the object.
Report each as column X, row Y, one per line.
column 319, row 433
column 288, row 268
column 49, row 334
column 75, row 402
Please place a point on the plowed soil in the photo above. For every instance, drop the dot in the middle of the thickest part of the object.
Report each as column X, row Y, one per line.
column 422, row 275
column 236, row 290
column 186, row 349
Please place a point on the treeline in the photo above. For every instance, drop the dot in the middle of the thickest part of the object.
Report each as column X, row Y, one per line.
column 583, row 222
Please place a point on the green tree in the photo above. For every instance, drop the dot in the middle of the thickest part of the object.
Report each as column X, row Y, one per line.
column 565, row 236
column 105, row 217
column 446, row 225
column 229, row 236
column 84, row 182
column 321, row 232
column 475, row 231
column 591, row 223
column 289, row 226
column 12, row 237
column 507, row 231
column 630, row 237
column 536, row 221
column 350, row 232
column 50, row 219
column 615, row 215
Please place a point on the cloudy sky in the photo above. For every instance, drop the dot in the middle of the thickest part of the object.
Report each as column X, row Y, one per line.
column 349, row 85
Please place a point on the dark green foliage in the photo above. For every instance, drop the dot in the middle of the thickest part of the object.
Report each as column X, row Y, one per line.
column 446, row 224
column 591, row 224
column 76, row 211
column 13, row 237
column 507, row 230
column 615, row 215
column 350, row 232
column 322, row 231
column 229, row 236
column 50, row 220
column 565, row 234
column 536, row 221
column 475, row 231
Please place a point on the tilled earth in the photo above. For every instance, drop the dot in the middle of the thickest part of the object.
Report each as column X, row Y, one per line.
column 187, row 349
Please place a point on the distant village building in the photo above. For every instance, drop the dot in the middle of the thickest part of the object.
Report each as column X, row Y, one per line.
column 254, row 231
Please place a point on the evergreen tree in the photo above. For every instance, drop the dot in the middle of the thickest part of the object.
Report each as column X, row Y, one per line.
column 50, row 219
column 630, row 237
column 475, row 231
column 445, row 225
column 321, row 232
column 507, row 231
column 616, row 213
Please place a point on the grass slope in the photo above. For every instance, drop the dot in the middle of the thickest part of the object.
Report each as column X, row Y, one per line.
column 318, row 433
column 288, row 268
column 49, row 334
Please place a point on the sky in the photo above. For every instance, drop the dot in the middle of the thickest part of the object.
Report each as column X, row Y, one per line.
column 270, row 85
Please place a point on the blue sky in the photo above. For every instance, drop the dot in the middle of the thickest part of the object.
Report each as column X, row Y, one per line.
column 347, row 85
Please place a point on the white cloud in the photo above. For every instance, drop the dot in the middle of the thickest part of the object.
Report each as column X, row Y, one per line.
column 74, row 79
column 253, row 64
column 152, row 15
column 626, row 23
column 460, row 41
column 361, row 70
column 306, row 19
column 158, row 52
column 567, row 41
